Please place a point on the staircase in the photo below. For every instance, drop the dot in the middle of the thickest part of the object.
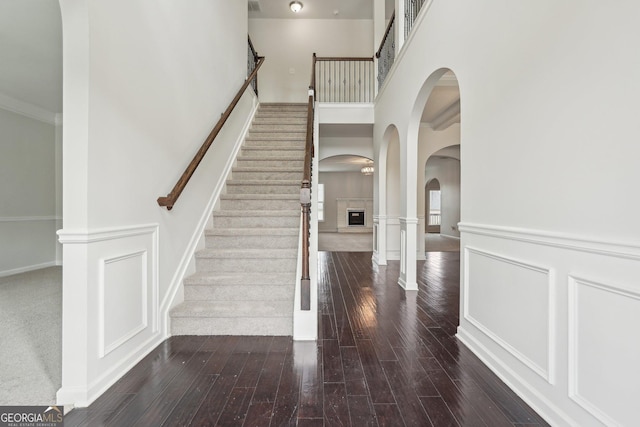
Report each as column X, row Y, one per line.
column 245, row 276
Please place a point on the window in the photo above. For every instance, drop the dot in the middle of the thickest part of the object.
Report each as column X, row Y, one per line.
column 320, row 202
column 434, row 207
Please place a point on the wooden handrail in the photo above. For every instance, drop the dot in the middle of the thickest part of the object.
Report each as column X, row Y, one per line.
column 305, row 195
column 386, row 33
column 170, row 199
column 344, row 58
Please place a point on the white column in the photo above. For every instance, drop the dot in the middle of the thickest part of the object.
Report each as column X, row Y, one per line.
column 420, row 237
column 380, row 239
column 58, row 179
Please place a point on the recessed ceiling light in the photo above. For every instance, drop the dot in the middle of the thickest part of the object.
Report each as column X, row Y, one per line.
column 295, row 6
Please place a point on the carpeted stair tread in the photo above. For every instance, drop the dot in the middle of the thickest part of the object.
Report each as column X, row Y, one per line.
column 264, row 169
column 234, row 309
column 244, row 254
column 245, row 276
column 252, row 232
column 257, row 182
column 260, row 196
column 258, row 213
column 207, row 278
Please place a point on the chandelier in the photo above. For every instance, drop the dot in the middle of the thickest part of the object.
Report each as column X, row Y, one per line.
column 367, row 170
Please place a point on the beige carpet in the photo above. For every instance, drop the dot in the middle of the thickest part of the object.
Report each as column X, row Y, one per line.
column 363, row 242
column 345, row 242
column 31, row 337
column 434, row 242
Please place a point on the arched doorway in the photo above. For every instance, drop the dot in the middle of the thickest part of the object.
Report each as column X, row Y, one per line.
column 345, row 203
column 31, row 165
column 433, row 206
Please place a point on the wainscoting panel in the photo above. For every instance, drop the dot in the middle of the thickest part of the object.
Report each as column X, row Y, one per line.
column 509, row 301
column 603, row 365
column 123, row 292
column 555, row 316
column 116, row 271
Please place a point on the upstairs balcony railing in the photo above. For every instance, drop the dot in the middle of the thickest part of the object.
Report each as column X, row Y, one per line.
column 411, row 11
column 252, row 76
column 348, row 79
column 252, row 62
column 386, row 54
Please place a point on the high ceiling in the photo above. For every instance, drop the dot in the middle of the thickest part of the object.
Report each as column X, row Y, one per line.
column 343, row 163
column 31, row 52
column 316, row 9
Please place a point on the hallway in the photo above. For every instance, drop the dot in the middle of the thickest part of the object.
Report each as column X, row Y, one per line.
column 383, row 358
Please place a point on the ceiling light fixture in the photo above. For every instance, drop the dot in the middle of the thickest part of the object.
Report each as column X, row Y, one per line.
column 367, row 170
column 295, row 6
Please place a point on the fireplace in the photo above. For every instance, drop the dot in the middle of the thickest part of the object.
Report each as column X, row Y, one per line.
column 355, row 217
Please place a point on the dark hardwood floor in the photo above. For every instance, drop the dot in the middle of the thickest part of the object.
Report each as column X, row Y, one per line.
column 384, row 358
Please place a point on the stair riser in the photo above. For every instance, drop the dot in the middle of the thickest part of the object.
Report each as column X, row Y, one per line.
column 293, row 144
column 261, row 153
column 227, row 288
column 261, row 189
column 239, row 293
column 242, row 222
column 282, row 107
column 278, row 127
column 276, row 135
column 269, row 163
column 232, row 326
column 267, row 138
column 283, row 120
column 254, row 242
column 267, row 175
column 239, row 279
column 269, row 205
column 248, row 265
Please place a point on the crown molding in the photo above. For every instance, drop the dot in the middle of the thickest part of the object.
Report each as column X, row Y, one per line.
column 28, row 110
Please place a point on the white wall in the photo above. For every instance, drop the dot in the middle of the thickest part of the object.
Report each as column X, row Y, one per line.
column 447, row 172
column 550, row 296
column 338, row 185
column 143, row 86
column 289, row 44
column 27, row 188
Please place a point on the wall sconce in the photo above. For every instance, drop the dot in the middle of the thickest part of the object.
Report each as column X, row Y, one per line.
column 295, row 6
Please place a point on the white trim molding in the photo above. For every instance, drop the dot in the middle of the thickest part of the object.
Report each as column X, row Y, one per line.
column 104, row 350
column 628, row 250
column 67, row 237
column 29, row 218
column 28, row 268
column 27, row 110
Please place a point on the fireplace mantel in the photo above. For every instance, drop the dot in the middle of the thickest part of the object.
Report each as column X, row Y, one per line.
column 344, row 205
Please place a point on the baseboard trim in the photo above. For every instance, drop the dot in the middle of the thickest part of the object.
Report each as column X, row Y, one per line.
column 449, row 237
column 29, row 218
column 543, row 407
column 28, row 268
column 27, row 110
column 82, row 398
